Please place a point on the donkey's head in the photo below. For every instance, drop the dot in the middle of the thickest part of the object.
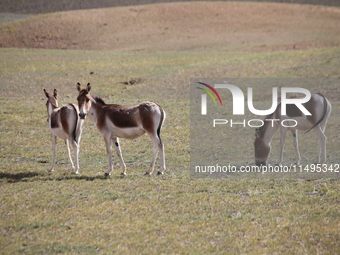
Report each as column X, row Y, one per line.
column 52, row 100
column 262, row 149
column 84, row 102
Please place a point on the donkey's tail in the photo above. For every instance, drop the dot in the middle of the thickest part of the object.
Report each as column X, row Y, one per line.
column 76, row 129
column 163, row 115
column 325, row 109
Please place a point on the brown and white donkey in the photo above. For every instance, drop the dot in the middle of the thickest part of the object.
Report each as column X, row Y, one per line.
column 115, row 121
column 318, row 106
column 64, row 122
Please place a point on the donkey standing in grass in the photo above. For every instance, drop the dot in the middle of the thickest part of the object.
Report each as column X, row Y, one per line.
column 115, row 121
column 318, row 106
column 64, row 122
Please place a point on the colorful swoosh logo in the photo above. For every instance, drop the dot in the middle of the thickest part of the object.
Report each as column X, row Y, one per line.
column 209, row 93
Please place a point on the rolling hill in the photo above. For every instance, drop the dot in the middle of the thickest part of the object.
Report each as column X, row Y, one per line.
column 180, row 26
column 46, row 6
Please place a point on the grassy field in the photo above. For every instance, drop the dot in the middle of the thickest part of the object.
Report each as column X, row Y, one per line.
column 60, row 213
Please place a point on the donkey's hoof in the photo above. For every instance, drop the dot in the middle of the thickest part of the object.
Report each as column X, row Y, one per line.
column 74, row 172
column 147, row 173
column 123, row 174
column 159, row 173
column 106, row 175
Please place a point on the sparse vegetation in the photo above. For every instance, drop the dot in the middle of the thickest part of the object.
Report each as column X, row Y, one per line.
column 180, row 26
column 60, row 213
column 44, row 6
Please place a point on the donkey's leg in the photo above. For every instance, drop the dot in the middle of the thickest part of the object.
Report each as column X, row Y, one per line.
column 69, row 153
column 156, row 148
column 296, row 146
column 323, row 124
column 321, row 144
column 54, row 145
column 162, row 158
column 75, row 147
column 119, row 154
column 107, row 140
column 320, row 132
column 283, row 132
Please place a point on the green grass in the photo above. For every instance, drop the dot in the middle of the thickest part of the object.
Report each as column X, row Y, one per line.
column 60, row 213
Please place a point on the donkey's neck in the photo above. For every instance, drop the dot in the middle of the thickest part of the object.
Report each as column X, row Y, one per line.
column 92, row 113
column 51, row 107
column 269, row 128
column 269, row 132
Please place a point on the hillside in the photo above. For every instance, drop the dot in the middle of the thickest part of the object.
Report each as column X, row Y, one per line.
column 178, row 26
column 47, row 6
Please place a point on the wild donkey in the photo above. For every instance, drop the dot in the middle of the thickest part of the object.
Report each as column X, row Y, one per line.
column 115, row 121
column 318, row 106
column 64, row 123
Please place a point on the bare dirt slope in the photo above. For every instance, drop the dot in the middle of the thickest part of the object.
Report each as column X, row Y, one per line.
column 178, row 26
column 46, row 6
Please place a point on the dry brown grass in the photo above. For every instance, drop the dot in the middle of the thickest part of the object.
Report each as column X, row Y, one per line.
column 181, row 26
column 47, row 6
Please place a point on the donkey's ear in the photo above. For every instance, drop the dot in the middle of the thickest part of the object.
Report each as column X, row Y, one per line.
column 78, row 86
column 55, row 93
column 46, row 93
column 88, row 88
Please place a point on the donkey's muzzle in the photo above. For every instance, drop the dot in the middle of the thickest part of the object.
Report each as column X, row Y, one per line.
column 82, row 115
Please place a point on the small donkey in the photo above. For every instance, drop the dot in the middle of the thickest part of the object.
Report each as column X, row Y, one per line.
column 64, row 122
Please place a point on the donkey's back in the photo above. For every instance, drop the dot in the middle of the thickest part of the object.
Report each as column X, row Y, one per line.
column 64, row 122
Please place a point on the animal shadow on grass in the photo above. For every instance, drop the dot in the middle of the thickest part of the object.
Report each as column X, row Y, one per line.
column 43, row 176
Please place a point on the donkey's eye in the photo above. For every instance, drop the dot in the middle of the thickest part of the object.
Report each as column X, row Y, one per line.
column 87, row 100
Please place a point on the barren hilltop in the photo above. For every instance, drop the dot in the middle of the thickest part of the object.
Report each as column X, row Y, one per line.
column 179, row 26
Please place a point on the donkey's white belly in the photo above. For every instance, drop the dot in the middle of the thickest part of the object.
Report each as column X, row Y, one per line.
column 59, row 132
column 128, row 133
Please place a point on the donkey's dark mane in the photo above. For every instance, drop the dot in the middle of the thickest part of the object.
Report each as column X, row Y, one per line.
column 101, row 101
